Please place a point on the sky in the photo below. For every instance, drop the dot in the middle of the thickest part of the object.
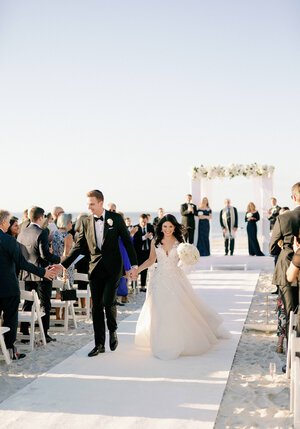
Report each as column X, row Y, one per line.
column 126, row 96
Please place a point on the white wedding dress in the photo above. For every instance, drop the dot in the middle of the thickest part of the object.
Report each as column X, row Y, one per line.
column 174, row 321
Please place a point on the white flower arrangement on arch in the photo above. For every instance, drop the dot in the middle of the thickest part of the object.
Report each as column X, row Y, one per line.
column 233, row 170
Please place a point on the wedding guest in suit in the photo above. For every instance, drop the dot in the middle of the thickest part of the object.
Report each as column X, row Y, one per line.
column 188, row 212
column 286, row 228
column 10, row 258
column 111, row 207
column 99, row 237
column 25, row 220
column 13, row 228
column 273, row 212
column 35, row 247
column 204, row 214
column 160, row 215
column 229, row 224
column 252, row 217
column 142, row 244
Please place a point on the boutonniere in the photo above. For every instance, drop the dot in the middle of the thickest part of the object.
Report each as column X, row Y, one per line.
column 110, row 222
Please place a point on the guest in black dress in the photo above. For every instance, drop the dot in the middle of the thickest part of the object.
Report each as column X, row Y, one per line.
column 204, row 214
column 251, row 217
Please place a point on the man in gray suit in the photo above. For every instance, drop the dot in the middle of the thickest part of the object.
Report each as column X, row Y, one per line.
column 285, row 229
column 35, row 247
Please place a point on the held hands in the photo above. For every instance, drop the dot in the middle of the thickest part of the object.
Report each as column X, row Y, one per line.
column 49, row 273
column 132, row 274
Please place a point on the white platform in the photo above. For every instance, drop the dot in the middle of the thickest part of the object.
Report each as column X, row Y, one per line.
column 129, row 388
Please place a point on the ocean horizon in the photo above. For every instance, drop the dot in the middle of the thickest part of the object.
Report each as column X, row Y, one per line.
column 215, row 228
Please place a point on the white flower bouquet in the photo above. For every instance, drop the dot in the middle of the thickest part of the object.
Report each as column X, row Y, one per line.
column 188, row 253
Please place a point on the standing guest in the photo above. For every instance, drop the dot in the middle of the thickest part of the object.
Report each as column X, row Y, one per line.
column 286, row 228
column 229, row 224
column 204, row 214
column 122, row 290
column 62, row 242
column 10, row 258
column 252, row 217
column 13, row 228
column 56, row 211
column 35, row 247
column 111, row 207
column 188, row 212
column 142, row 244
column 25, row 220
column 99, row 236
column 273, row 212
column 160, row 215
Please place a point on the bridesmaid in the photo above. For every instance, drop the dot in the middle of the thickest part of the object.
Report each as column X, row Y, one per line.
column 251, row 217
column 204, row 214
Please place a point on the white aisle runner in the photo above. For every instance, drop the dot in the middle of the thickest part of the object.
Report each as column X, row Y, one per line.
column 129, row 388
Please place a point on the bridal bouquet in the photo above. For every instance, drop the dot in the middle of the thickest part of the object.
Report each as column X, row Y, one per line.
column 188, row 253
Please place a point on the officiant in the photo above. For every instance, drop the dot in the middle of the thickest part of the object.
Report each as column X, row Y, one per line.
column 229, row 224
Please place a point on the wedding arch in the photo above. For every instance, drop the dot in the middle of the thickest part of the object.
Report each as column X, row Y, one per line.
column 262, row 179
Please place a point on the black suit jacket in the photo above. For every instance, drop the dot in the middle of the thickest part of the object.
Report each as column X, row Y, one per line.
column 35, row 248
column 286, row 228
column 273, row 216
column 11, row 258
column 188, row 218
column 139, row 242
column 109, row 255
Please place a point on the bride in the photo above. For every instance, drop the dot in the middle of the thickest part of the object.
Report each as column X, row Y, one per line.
column 173, row 321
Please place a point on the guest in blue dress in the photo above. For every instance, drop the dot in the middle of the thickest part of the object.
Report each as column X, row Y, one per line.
column 204, row 214
column 122, row 290
column 251, row 217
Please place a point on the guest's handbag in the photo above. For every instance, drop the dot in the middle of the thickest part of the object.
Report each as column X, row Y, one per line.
column 68, row 294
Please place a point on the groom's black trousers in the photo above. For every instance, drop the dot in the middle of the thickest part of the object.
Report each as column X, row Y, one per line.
column 103, row 290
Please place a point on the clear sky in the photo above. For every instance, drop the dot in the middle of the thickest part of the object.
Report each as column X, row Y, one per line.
column 128, row 95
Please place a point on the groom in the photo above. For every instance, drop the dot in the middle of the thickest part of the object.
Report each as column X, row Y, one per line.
column 99, row 237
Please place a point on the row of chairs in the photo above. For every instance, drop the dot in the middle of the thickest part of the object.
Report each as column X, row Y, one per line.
column 293, row 369
column 34, row 317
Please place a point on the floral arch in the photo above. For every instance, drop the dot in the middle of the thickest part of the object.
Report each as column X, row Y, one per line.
column 261, row 176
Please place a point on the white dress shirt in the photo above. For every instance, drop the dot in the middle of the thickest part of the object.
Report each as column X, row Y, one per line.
column 99, row 230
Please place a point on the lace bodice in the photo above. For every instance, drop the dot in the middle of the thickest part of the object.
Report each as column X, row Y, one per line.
column 165, row 260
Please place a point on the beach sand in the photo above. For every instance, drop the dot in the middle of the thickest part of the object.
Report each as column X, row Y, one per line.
column 251, row 399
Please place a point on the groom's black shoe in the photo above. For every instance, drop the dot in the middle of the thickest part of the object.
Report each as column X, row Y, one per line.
column 113, row 341
column 96, row 350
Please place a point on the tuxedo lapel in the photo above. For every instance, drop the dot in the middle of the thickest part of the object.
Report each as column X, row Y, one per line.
column 92, row 231
column 105, row 226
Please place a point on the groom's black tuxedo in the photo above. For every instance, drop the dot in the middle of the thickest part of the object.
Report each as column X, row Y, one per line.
column 105, row 267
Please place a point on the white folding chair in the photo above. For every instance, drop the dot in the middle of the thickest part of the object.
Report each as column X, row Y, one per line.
column 296, row 406
column 292, row 326
column 3, row 330
column 295, row 348
column 31, row 317
column 83, row 293
column 68, row 306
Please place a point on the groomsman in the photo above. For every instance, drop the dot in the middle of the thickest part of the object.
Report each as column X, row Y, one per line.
column 142, row 244
column 229, row 224
column 273, row 212
column 188, row 212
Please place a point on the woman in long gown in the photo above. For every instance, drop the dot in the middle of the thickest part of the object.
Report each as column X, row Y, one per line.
column 251, row 217
column 204, row 216
column 174, row 321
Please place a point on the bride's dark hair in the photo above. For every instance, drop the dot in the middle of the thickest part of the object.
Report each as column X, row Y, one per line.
column 178, row 231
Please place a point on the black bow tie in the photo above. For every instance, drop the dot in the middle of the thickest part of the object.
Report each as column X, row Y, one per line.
column 98, row 218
